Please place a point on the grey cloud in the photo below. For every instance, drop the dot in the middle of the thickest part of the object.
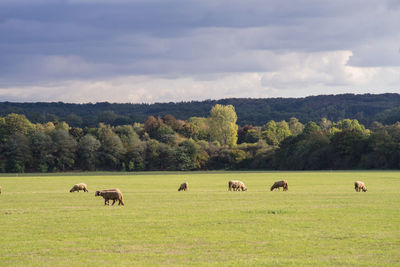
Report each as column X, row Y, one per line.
column 47, row 41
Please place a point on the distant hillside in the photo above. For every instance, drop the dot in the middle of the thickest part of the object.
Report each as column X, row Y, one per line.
column 366, row 108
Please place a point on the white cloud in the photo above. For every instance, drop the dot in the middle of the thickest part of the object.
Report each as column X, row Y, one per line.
column 325, row 69
column 296, row 74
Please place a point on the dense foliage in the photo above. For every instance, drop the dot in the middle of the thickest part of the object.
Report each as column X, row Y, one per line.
column 364, row 108
column 199, row 143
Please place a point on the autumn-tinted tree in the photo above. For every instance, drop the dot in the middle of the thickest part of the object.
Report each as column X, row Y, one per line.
column 15, row 124
column 199, row 128
column 242, row 132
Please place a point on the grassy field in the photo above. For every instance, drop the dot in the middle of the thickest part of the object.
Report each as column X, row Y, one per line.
column 320, row 221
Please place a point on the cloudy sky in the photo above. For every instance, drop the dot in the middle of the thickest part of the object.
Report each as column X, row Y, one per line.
column 135, row 51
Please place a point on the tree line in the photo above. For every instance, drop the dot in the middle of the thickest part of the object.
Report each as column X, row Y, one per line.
column 366, row 108
column 214, row 142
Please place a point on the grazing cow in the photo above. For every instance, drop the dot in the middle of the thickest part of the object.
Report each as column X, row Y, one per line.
column 358, row 186
column 279, row 184
column 236, row 185
column 113, row 194
column 184, row 186
column 79, row 187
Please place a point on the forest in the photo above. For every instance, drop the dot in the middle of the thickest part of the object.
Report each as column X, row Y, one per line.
column 365, row 108
column 212, row 142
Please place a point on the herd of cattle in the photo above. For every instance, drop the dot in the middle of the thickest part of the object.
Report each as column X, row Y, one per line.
column 235, row 185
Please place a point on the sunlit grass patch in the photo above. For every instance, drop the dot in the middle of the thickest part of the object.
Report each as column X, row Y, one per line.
column 320, row 221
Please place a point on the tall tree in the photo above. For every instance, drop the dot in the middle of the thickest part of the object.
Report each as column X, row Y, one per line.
column 223, row 127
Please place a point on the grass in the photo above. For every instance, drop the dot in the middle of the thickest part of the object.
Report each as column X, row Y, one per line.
column 320, row 221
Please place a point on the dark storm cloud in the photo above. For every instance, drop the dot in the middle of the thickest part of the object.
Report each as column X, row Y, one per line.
column 54, row 40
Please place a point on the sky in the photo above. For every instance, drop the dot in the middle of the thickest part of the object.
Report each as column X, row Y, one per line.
column 146, row 51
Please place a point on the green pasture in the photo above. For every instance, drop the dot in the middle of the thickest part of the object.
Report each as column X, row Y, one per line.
column 320, row 221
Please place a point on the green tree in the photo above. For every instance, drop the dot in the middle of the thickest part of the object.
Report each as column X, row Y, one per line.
column 349, row 146
column 62, row 125
column 252, row 136
column 186, row 154
column 134, row 158
column 311, row 127
column 295, row 126
column 74, row 120
column 88, row 148
column 275, row 132
column 48, row 127
column 197, row 128
column 16, row 124
column 270, row 137
column 282, row 130
column 351, row 125
column 304, row 151
column 3, row 130
column 325, row 124
column 76, row 133
column 152, row 155
column 42, row 151
column 163, row 133
column 201, row 160
column 64, row 146
column 111, row 151
column 17, row 152
column 168, row 157
column 107, row 117
column 223, row 127
column 237, row 157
